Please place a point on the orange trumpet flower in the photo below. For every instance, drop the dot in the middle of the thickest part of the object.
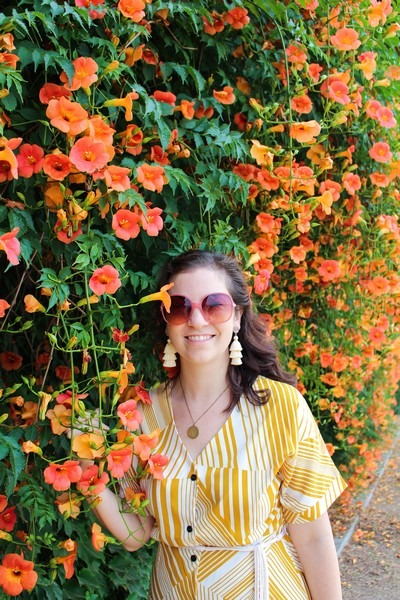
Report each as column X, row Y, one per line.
column 305, row 131
column 8, row 160
column 161, row 295
column 125, row 103
column 17, row 574
column 69, row 117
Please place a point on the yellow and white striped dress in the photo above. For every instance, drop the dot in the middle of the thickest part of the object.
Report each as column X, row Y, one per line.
column 220, row 518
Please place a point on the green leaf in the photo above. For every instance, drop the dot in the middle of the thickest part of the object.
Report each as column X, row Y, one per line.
column 25, row 52
column 96, row 252
column 152, row 109
column 164, row 132
column 66, row 66
column 53, row 300
column 178, row 177
column 26, row 249
column 197, row 78
column 64, row 273
column 21, row 219
column 272, row 8
column 48, row 278
column 80, row 332
column 3, row 213
column 182, row 71
column 132, row 196
column 9, row 102
column 91, row 578
column 11, row 449
column 81, row 261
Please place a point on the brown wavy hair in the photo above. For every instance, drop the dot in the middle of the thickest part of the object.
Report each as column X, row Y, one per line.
column 260, row 355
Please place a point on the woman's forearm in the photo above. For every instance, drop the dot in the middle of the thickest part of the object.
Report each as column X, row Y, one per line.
column 316, row 550
column 129, row 528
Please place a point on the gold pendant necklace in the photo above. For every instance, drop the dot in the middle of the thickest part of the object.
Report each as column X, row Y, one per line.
column 193, row 431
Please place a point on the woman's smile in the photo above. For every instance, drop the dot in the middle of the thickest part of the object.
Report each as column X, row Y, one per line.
column 199, row 338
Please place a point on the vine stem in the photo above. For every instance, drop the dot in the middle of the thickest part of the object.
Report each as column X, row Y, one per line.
column 23, row 277
column 93, row 346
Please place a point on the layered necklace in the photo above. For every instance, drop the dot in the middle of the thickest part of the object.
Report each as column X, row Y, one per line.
column 193, row 430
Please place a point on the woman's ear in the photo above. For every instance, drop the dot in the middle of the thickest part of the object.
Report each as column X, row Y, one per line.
column 237, row 317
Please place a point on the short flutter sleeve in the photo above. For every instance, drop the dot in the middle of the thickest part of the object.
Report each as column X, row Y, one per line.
column 310, row 479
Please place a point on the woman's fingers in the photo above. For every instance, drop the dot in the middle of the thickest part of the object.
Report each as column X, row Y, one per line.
column 90, row 422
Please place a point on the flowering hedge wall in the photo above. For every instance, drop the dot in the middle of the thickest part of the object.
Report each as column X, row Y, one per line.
column 131, row 131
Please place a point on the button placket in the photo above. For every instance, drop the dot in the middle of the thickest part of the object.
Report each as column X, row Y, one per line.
column 190, row 528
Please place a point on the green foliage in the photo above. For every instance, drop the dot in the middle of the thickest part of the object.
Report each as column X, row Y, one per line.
column 11, row 468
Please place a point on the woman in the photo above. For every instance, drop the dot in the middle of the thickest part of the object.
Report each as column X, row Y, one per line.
column 241, row 511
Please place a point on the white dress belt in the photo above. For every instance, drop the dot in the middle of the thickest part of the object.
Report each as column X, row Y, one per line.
column 261, row 572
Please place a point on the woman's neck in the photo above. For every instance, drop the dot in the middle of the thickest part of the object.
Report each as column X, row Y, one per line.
column 200, row 381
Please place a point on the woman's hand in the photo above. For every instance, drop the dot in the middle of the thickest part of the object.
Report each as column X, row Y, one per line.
column 88, row 422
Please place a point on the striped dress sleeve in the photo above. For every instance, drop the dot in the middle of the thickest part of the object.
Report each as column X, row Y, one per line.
column 310, row 479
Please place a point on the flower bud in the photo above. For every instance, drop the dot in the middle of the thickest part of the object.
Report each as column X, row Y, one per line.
column 392, row 30
column 29, row 446
column 71, row 342
column 76, row 212
column 62, row 217
column 114, row 64
column 91, row 198
column 133, row 329
column 80, row 408
column 44, row 400
column 91, row 300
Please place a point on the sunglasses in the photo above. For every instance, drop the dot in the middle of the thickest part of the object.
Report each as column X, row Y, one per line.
column 215, row 308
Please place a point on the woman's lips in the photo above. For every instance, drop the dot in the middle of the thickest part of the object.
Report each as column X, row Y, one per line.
column 199, row 338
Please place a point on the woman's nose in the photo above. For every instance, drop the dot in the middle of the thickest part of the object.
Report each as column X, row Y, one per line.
column 197, row 319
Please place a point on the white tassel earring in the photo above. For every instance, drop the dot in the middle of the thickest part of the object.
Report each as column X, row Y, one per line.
column 235, row 350
column 169, row 356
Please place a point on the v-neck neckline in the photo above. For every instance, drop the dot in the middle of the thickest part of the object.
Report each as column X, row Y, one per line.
column 167, row 397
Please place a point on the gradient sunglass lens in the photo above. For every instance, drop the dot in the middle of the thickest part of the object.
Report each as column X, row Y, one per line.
column 216, row 308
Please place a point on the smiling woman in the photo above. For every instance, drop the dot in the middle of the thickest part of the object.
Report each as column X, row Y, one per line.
column 243, row 501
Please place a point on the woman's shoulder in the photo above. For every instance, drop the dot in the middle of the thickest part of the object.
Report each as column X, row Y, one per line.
column 157, row 413
column 160, row 390
column 279, row 395
column 278, row 389
column 286, row 404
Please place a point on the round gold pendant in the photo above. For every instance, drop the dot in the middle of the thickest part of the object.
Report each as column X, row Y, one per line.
column 193, row 432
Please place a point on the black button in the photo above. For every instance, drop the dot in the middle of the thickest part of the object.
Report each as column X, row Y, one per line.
column 189, row 529
column 193, row 477
column 193, row 558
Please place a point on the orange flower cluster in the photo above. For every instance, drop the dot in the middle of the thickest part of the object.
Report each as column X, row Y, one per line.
column 330, row 202
column 237, row 18
column 92, row 148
